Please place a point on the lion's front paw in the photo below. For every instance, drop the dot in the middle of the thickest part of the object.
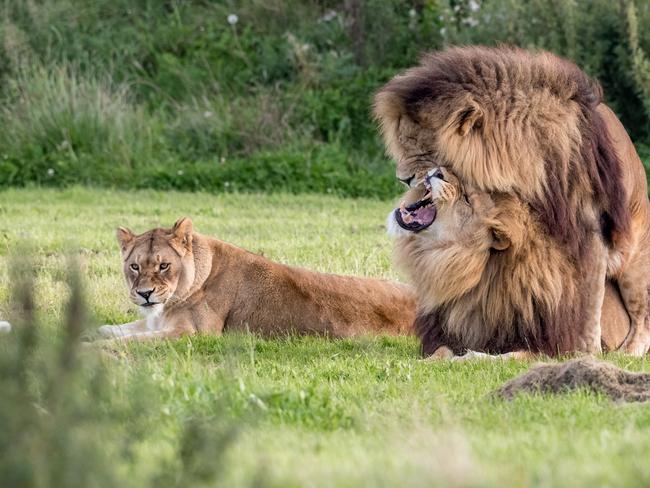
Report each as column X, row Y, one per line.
column 636, row 348
column 471, row 355
column 110, row 331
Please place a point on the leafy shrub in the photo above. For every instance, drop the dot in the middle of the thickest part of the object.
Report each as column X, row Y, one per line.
column 147, row 92
column 60, row 127
column 322, row 169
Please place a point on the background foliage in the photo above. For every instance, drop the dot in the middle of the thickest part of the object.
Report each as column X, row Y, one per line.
column 260, row 94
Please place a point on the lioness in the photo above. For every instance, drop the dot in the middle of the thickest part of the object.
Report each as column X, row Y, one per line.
column 188, row 283
column 468, row 253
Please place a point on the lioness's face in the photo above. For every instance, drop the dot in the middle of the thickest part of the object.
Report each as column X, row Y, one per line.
column 439, row 208
column 154, row 263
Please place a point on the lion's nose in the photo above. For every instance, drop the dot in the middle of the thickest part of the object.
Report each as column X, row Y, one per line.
column 407, row 181
column 145, row 293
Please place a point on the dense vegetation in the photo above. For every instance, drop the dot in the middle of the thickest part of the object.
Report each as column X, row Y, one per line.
column 260, row 94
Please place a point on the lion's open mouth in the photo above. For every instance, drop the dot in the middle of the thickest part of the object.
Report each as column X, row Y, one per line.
column 419, row 215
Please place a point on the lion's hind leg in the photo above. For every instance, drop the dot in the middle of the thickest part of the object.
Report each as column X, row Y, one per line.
column 634, row 284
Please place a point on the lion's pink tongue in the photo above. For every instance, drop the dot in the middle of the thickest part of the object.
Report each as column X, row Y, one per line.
column 423, row 216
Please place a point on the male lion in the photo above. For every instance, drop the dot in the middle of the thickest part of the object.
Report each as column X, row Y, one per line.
column 189, row 283
column 530, row 127
column 483, row 285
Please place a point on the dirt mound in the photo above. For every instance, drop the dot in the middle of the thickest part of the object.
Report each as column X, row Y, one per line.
column 586, row 373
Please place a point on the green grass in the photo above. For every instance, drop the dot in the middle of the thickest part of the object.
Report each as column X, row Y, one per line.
column 311, row 411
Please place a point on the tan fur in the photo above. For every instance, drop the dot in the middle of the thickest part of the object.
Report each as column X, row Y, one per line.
column 614, row 319
column 487, row 297
column 529, row 128
column 210, row 286
column 483, row 281
column 629, row 255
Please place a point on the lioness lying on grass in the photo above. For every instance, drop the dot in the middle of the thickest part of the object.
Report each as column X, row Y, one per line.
column 187, row 283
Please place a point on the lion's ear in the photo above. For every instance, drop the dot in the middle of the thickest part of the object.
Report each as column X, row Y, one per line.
column 182, row 232
column 500, row 239
column 468, row 119
column 125, row 238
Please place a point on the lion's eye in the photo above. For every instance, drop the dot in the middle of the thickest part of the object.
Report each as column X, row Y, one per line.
column 164, row 266
column 466, row 198
column 135, row 267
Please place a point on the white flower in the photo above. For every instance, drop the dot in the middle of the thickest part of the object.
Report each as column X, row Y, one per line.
column 179, row 172
column 474, row 6
column 233, row 19
column 226, row 184
column 412, row 13
column 50, row 172
column 329, row 15
column 443, row 31
column 207, row 114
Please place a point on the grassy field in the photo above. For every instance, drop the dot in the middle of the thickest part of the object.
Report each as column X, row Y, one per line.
column 301, row 411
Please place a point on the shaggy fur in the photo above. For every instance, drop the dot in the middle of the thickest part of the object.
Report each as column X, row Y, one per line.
column 484, row 285
column 476, row 295
column 189, row 283
column 511, row 121
column 528, row 127
column 597, row 376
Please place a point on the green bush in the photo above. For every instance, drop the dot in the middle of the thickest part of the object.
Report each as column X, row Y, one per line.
column 60, row 127
column 321, row 169
column 148, row 92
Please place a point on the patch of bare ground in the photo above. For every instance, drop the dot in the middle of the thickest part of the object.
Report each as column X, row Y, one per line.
column 583, row 373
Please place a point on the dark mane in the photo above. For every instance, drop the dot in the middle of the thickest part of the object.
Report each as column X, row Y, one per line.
column 495, row 80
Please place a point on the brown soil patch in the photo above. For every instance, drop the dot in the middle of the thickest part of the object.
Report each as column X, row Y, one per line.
column 587, row 373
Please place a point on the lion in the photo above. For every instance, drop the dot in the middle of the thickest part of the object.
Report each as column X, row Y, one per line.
column 629, row 255
column 187, row 283
column 484, row 286
column 531, row 127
